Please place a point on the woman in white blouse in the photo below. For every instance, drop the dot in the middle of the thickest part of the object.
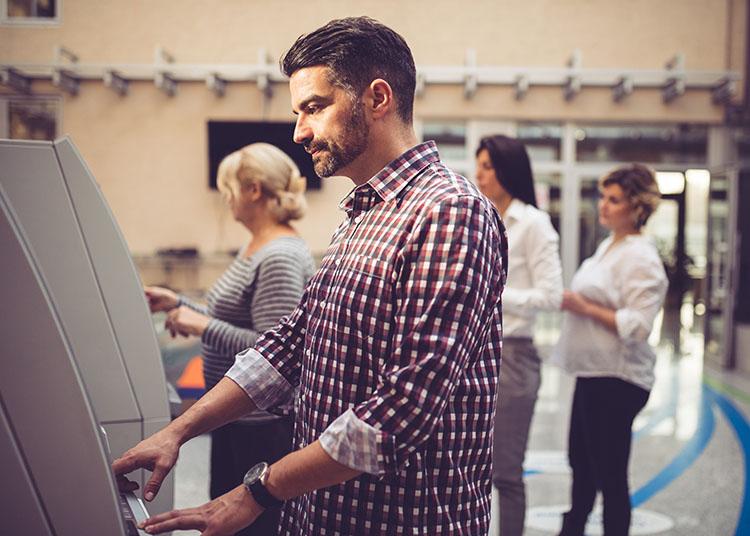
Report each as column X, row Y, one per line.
column 610, row 310
column 534, row 284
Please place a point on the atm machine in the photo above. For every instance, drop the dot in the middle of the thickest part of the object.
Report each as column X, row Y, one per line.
column 80, row 346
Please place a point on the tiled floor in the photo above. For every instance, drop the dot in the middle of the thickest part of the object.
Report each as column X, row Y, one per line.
column 688, row 466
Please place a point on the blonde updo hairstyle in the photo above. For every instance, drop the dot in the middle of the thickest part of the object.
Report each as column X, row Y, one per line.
column 638, row 183
column 276, row 174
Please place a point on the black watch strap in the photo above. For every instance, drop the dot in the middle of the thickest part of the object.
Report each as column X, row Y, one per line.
column 259, row 492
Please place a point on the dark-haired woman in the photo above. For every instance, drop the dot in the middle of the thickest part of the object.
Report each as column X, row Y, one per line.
column 610, row 311
column 534, row 284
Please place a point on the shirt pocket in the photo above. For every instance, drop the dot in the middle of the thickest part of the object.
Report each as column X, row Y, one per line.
column 364, row 300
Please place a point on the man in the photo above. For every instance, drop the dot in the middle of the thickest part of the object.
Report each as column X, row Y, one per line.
column 396, row 341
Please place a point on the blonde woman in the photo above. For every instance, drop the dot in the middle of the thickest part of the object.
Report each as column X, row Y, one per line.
column 610, row 311
column 264, row 191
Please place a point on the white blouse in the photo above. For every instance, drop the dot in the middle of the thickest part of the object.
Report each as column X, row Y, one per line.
column 534, row 272
column 630, row 279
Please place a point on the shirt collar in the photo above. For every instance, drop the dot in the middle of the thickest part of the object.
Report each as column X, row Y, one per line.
column 392, row 179
column 515, row 210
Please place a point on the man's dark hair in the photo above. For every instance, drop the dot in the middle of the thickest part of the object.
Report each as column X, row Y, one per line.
column 358, row 50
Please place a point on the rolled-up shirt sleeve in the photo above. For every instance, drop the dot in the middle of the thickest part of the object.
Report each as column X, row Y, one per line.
column 270, row 370
column 449, row 294
column 260, row 381
column 644, row 285
column 354, row 443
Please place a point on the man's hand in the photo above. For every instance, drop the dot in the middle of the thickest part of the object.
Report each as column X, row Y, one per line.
column 185, row 321
column 224, row 515
column 160, row 299
column 157, row 453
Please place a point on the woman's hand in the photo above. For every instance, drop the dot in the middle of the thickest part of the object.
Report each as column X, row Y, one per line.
column 185, row 321
column 160, row 299
column 575, row 303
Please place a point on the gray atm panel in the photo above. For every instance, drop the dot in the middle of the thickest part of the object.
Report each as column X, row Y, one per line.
column 84, row 261
column 56, row 477
column 128, row 312
column 119, row 284
column 27, row 511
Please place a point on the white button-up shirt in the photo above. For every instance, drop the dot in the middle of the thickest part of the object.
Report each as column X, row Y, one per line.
column 630, row 279
column 534, row 272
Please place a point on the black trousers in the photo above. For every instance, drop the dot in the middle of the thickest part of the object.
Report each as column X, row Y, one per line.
column 599, row 452
column 235, row 448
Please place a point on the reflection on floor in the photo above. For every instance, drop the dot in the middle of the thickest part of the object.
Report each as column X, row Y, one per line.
column 688, row 467
column 191, row 476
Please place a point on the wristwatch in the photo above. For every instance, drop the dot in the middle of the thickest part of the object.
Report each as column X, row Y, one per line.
column 255, row 482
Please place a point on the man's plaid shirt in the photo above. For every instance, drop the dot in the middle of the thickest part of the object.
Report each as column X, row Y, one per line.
column 395, row 347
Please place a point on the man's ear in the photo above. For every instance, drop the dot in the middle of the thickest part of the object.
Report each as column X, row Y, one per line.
column 380, row 99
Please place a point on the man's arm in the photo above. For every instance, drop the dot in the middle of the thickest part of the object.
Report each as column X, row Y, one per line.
column 643, row 288
column 229, row 400
column 297, row 473
column 224, row 403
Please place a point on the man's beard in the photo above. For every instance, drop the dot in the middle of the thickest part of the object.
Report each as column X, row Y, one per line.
column 336, row 154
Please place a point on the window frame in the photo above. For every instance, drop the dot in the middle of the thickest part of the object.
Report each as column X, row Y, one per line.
column 5, row 105
column 5, row 20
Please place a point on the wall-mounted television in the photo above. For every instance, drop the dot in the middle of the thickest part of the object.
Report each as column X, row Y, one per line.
column 225, row 137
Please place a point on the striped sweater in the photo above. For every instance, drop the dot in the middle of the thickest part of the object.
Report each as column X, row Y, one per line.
column 249, row 298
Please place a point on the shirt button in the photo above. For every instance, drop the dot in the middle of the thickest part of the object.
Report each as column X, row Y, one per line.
column 358, row 219
column 323, row 304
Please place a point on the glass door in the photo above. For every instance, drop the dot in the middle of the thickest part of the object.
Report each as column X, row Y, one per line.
column 548, row 187
column 666, row 228
column 719, row 299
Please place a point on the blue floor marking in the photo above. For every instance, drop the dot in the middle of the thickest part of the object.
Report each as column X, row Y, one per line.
column 687, row 455
column 742, row 429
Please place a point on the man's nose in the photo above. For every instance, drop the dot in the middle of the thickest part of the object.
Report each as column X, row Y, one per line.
column 302, row 132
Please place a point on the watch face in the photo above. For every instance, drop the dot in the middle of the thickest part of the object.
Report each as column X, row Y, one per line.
column 253, row 475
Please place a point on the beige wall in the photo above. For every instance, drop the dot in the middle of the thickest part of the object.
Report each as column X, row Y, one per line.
column 610, row 33
column 736, row 38
column 149, row 154
column 149, row 151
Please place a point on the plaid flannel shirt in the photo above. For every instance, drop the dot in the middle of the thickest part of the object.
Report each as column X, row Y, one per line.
column 395, row 347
